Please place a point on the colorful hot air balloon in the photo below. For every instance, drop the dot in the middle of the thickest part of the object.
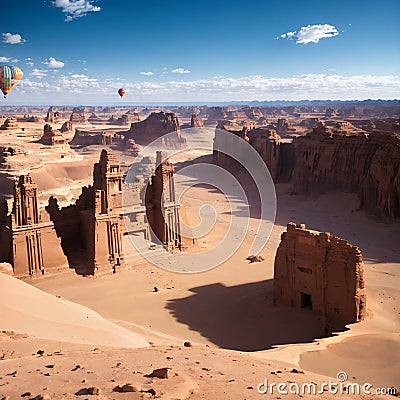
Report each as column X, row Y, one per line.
column 9, row 76
column 121, row 92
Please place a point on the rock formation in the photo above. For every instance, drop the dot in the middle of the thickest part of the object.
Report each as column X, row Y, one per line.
column 310, row 123
column 155, row 126
column 34, row 118
column 196, row 121
column 130, row 117
column 78, row 115
column 253, row 113
column 53, row 115
column 337, row 158
column 266, row 142
column 367, row 164
column 215, row 114
column 28, row 241
column 66, row 127
column 321, row 272
column 132, row 147
column 52, row 138
column 330, row 112
column 95, row 119
column 10, row 124
column 95, row 137
column 284, row 126
column 8, row 152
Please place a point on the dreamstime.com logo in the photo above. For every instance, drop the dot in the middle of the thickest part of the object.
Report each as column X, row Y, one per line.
column 341, row 386
column 202, row 142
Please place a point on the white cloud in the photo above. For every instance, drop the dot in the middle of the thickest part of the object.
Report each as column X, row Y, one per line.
column 38, row 73
column 148, row 73
column 8, row 60
column 288, row 35
column 307, row 86
column 15, row 38
column 76, row 8
column 76, row 83
column 180, row 71
column 311, row 33
column 30, row 63
column 53, row 63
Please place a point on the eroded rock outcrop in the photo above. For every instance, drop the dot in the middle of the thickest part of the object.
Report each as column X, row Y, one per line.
column 283, row 126
column 66, row 127
column 196, row 121
column 321, row 272
column 266, row 141
column 155, row 126
column 10, row 124
column 78, row 115
column 52, row 138
column 95, row 137
column 53, row 115
column 364, row 163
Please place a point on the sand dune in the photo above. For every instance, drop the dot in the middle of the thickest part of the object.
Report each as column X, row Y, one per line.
column 25, row 309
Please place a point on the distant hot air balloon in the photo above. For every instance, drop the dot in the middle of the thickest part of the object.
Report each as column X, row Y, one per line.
column 121, row 92
column 9, row 76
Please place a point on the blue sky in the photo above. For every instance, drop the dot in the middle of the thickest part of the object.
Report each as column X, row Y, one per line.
column 81, row 52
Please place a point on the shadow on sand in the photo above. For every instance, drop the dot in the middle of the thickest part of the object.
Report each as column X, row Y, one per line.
column 244, row 318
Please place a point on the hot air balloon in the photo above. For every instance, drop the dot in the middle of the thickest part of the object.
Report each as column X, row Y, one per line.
column 121, row 92
column 9, row 76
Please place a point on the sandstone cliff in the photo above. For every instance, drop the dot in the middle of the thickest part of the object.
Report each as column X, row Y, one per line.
column 266, row 141
column 367, row 164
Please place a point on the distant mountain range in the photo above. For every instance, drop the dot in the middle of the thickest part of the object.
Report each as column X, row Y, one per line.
column 256, row 103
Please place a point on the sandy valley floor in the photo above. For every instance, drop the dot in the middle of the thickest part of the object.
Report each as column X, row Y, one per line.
column 109, row 330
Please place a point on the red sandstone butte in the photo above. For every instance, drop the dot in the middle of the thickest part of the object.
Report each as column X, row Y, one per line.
column 155, row 126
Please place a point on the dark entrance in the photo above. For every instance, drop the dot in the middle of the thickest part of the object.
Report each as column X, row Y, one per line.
column 306, row 300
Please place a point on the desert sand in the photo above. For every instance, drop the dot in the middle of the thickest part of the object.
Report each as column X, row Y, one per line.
column 105, row 331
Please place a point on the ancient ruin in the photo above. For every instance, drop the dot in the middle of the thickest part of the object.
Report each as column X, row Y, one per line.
column 28, row 239
column 91, row 230
column 93, row 226
column 52, row 138
column 167, row 232
column 321, row 272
